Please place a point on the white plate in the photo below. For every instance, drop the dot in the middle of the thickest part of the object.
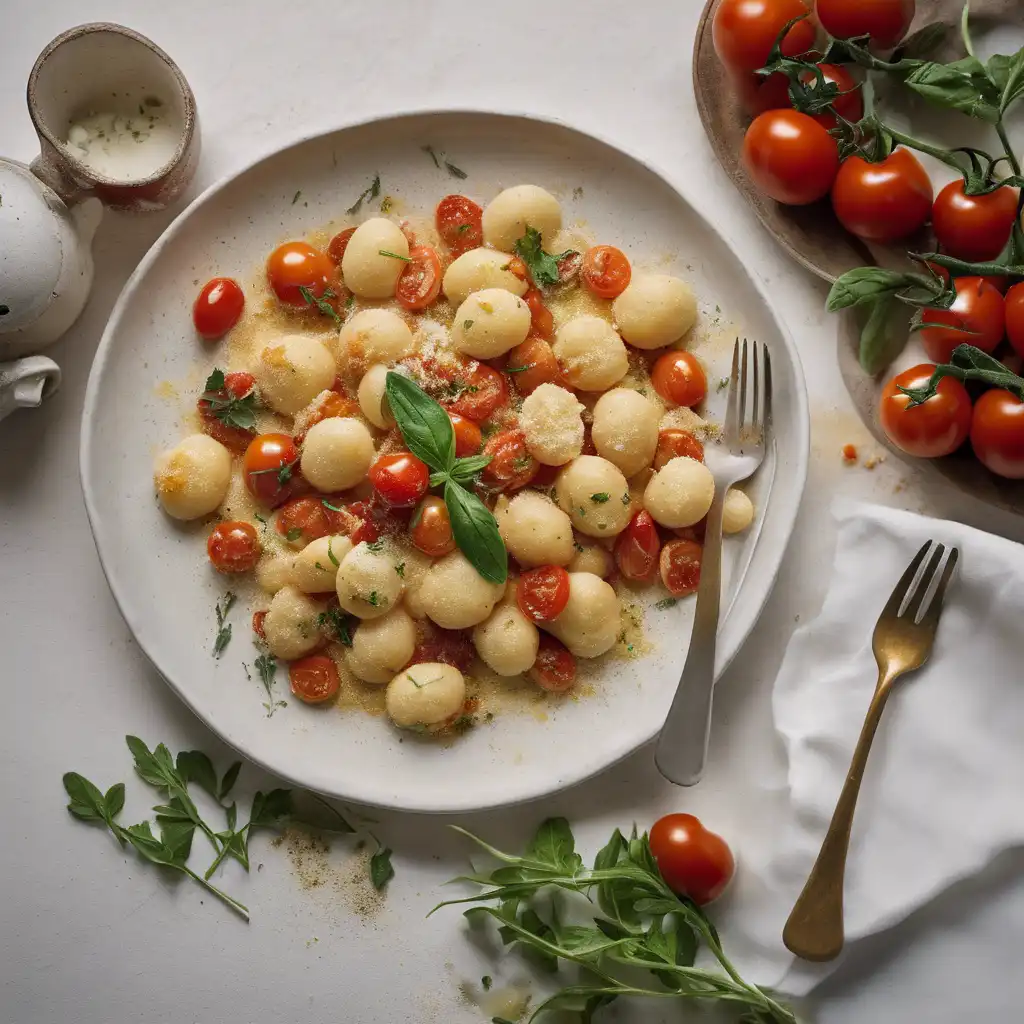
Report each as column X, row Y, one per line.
column 159, row 574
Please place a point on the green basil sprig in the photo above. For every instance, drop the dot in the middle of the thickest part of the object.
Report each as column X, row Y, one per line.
column 428, row 433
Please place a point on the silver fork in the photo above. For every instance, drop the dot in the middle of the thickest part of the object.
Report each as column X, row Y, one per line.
column 683, row 744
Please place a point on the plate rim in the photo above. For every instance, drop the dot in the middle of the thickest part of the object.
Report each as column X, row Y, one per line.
column 800, row 452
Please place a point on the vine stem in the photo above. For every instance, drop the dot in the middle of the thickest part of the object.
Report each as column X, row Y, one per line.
column 923, row 147
column 235, row 905
column 1007, row 146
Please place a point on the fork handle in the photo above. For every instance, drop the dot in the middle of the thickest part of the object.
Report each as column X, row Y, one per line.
column 814, row 930
column 683, row 743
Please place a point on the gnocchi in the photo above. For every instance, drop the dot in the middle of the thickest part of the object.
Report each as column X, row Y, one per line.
column 374, row 259
column 590, row 354
column 507, row 641
column 372, row 395
column 337, row 453
column 368, row 584
column 625, row 430
column 478, row 269
column 425, row 696
column 737, row 512
column 454, row 595
column 381, row 647
column 594, row 494
column 552, row 422
column 680, row 493
column 489, row 323
column 192, row 479
column 291, row 372
column 535, row 530
column 374, row 336
column 314, row 570
column 290, row 627
column 589, row 623
column 655, row 310
column 508, row 215
column 592, row 558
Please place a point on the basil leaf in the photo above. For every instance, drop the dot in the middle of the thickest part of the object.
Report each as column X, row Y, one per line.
column 465, row 469
column 964, row 85
column 867, row 284
column 424, row 425
column 476, row 532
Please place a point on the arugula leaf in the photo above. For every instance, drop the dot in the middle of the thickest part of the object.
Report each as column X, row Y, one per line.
column 553, row 844
column 543, row 267
column 476, row 533
column 381, row 871
column 369, row 193
column 423, row 423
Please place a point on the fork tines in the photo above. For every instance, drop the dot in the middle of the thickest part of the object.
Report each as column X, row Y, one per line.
column 749, row 384
column 919, row 594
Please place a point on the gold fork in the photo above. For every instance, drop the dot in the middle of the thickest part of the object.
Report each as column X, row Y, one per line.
column 902, row 642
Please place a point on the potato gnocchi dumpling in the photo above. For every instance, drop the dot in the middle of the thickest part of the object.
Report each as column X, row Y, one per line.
column 381, row 647
column 374, row 336
column 590, row 622
column 478, row 269
column 511, row 212
column 489, row 323
column 737, row 512
column 655, row 310
column 680, row 493
column 595, row 495
column 590, row 354
column 372, row 395
column 592, row 558
column 368, row 583
column 291, row 626
column 454, row 595
column 425, row 696
column 273, row 572
column 625, row 430
column 507, row 641
column 337, row 453
column 366, row 268
column 535, row 530
column 314, row 570
column 192, row 478
column 551, row 419
column 291, row 372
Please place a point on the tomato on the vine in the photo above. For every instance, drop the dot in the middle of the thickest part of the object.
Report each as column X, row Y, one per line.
column 543, row 593
column 790, row 157
column 217, row 308
column 1014, row 305
column 849, row 104
column 606, row 271
column 935, row 427
column 679, row 564
column 420, row 282
column 744, row 32
column 974, row 228
column 431, row 528
column 694, row 861
column 460, row 223
column 674, row 443
column 554, row 668
column 511, row 466
column 233, row 547
column 531, row 364
column 297, row 265
column 269, row 467
column 883, row 201
column 679, row 378
column 997, row 433
column 314, row 679
column 400, row 479
column 885, row 21
column 977, row 317
column 637, row 548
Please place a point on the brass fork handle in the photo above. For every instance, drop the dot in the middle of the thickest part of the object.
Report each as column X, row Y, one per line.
column 814, row 930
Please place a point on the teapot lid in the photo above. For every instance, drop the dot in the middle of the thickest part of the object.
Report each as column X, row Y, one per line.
column 31, row 248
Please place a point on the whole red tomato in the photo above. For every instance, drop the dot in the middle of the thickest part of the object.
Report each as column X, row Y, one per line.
column 977, row 317
column 217, row 308
column 790, row 157
column 849, row 104
column 400, row 479
column 932, row 429
column 693, row 861
column 884, row 201
column 886, row 21
column 997, row 433
column 974, row 228
column 1014, row 305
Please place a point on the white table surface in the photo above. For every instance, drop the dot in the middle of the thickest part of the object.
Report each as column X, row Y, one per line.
column 90, row 935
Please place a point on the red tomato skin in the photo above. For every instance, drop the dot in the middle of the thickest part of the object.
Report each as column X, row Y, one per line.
column 692, row 860
column 233, row 547
column 490, row 395
column 447, row 646
column 235, row 439
column 264, row 459
column 637, row 548
column 997, row 433
column 294, row 265
column 679, row 378
column 420, row 282
column 1014, row 306
column 307, row 515
column 744, row 32
column 790, row 157
column 978, row 308
column 432, row 529
column 543, row 593
column 459, row 223
column 884, row 201
column 314, row 679
column 974, row 228
column 606, row 271
column 554, row 669
column 469, row 438
column 849, row 104
column 542, row 323
column 886, row 21
column 511, row 466
column 673, row 443
column 338, row 244
column 400, row 480
column 531, row 364
column 217, row 308
column 257, row 624
column 934, row 428
column 679, row 565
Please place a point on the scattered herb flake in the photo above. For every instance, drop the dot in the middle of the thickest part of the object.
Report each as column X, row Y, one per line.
column 486, row 982
column 370, row 193
column 466, row 324
column 223, row 638
column 515, row 369
column 455, row 172
column 666, row 602
column 723, row 383
column 293, row 534
column 394, row 255
column 331, row 555
column 429, row 150
column 337, row 624
column 386, row 204
column 381, row 871
column 266, row 665
column 376, row 546
column 400, row 569
column 321, row 302
column 577, row 192
column 600, row 498
column 295, row 198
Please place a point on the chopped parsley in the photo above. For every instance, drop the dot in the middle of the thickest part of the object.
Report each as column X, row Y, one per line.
column 394, row 255
column 400, row 569
column 462, row 229
column 223, row 626
column 369, row 193
column 376, row 546
column 375, row 600
column 466, row 324
column 295, row 198
column 320, row 301
column 259, row 518
column 578, row 546
column 331, row 555
column 626, row 499
column 337, row 624
column 666, row 602
column 429, row 150
column 221, row 403
column 455, row 172
column 386, row 204
column 294, row 533
column 515, row 369
column 600, row 498
column 543, row 266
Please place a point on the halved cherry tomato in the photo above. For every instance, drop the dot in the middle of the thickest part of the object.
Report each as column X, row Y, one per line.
column 1014, row 304
column 680, row 379
column 269, row 467
column 303, row 519
column 554, row 668
column 974, row 228
column 297, row 265
column 849, row 104
column 693, row 861
column 400, row 480
column 884, row 201
column 236, row 385
column 997, row 433
column 459, row 223
column 481, row 392
column 233, row 547
column 314, row 679
column 420, row 282
column 569, row 266
column 258, row 619
column 977, row 317
column 543, row 593
column 744, row 32
column 511, row 466
column 542, row 323
column 885, row 21
column 674, row 443
column 431, row 529
column 531, row 364
column 637, row 548
column 790, row 157
column 448, row 646
column 217, row 308
column 410, row 235
column 469, row 439
column 338, row 244
column 358, row 520
column 606, row 271
column 680, row 566
column 933, row 428
column 517, row 268
column 332, row 405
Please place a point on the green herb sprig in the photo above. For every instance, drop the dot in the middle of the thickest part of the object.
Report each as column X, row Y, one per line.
column 223, row 638
column 371, row 192
column 543, row 266
column 320, row 302
column 230, row 410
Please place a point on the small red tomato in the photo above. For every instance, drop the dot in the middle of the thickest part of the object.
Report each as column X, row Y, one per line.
column 269, row 467
column 233, row 547
column 790, row 157
column 974, row 228
column 977, row 317
column 258, row 618
column 303, row 519
column 358, row 520
column 885, row 21
column 744, row 32
column 216, row 412
column 932, row 429
column 420, row 282
column 531, row 364
column 459, row 223
column 693, row 861
column 297, row 265
column 674, row 443
column 637, row 548
column 849, row 104
column 478, row 393
column 314, row 679
column 431, row 528
column 1014, row 304
column 331, row 406
column 338, row 244
column 680, row 567
column 554, row 669
column 606, row 271
column 447, row 646
column 218, row 308
column 680, row 379
column 883, row 201
column 511, row 466
column 542, row 323
column 997, row 433
column 543, row 593
column 469, row 438
column 400, row 480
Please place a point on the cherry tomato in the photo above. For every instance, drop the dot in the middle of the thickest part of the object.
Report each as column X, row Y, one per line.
column 218, row 308
column 332, row 406
column 744, row 32
column 554, row 668
column 933, row 428
column 400, row 480
column 1014, row 304
column 296, row 265
column 531, row 364
column 314, row 679
column 269, row 467
column 304, row 519
column 974, row 228
column 886, row 21
column 420, row 281
column 542, row 323
column 258, row 618
column 693, row 861
column 997, row 433
column 674, row 443
column 606, row 271
column 459, row 223
column 236, row 385
column 978, row 309
column 233, row 547
column 637, row 547
column 759, row 94
column 790, row 157
column 431, row 529
column 569, row 266
column 884, row 201
column 680, row 566
column 543, row 593
column 338, row 244
column 358, row 520
column 448, row 646
column 511, row 465
column 469, row 439
column 680, row 379
column 483, row 392
column 849, row 104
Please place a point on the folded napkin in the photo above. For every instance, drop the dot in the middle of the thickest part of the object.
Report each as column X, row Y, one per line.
column 943, row 793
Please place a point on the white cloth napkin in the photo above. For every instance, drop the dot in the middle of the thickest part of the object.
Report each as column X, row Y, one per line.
column 944, row 788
